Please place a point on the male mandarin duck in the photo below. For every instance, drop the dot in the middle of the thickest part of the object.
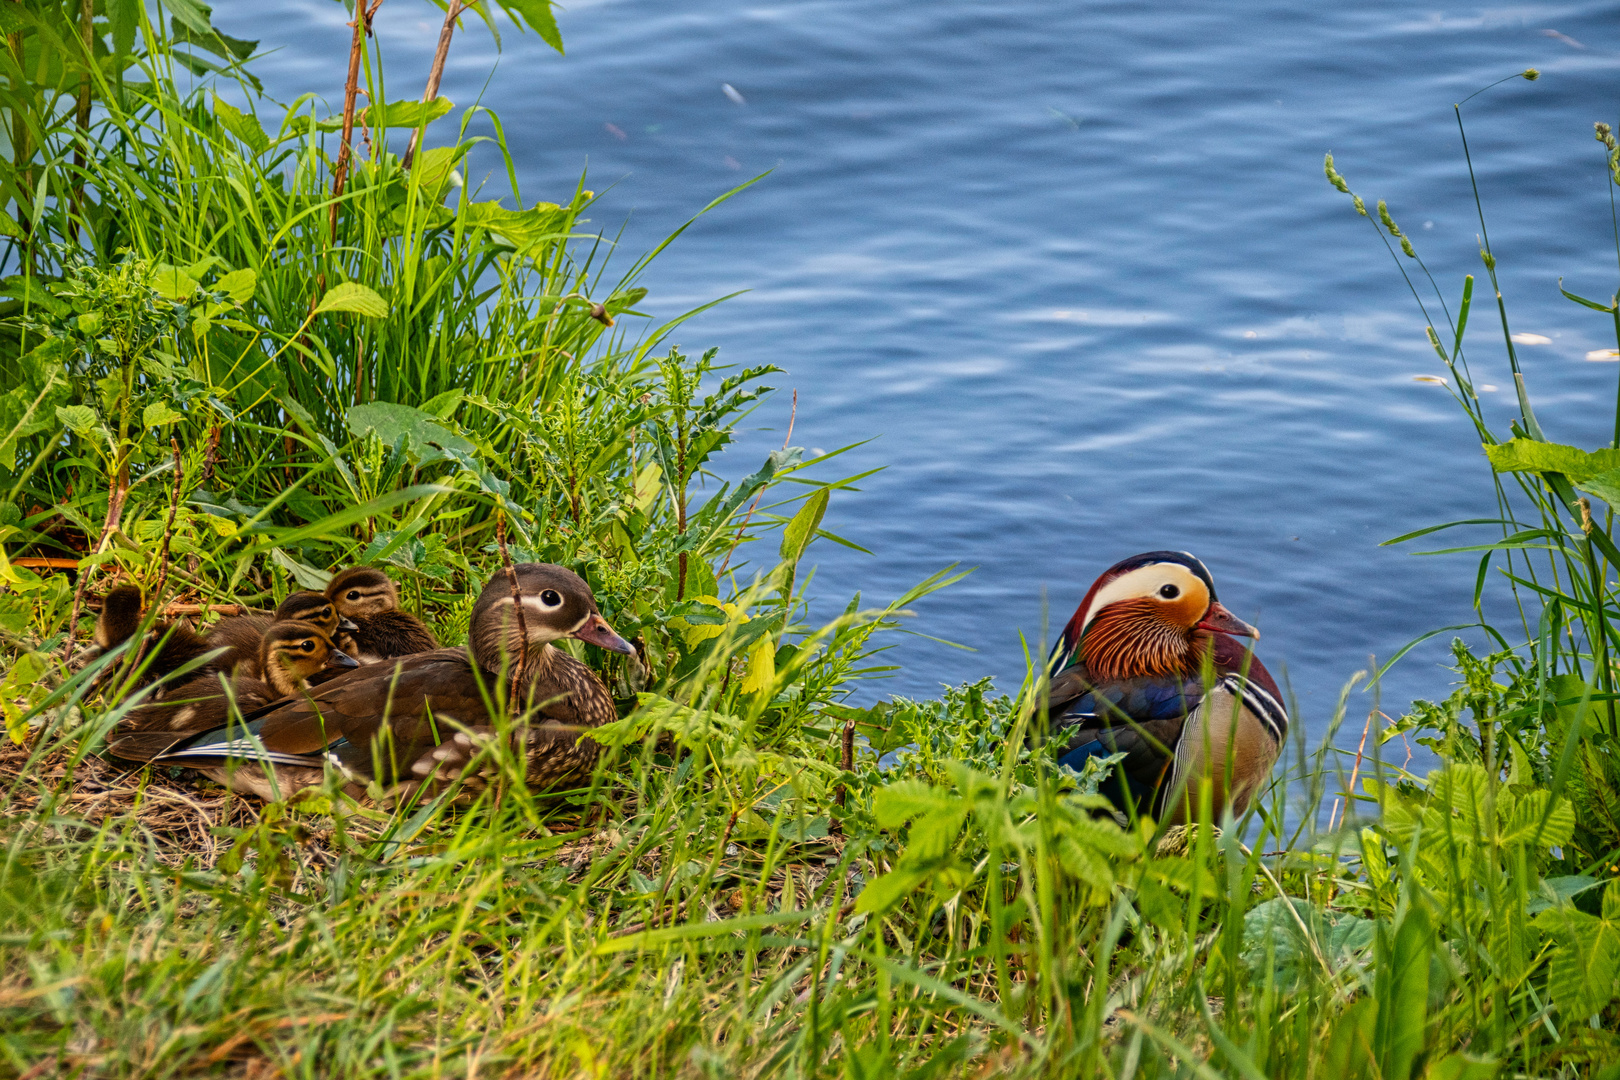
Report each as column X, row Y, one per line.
column 1129, row 676
column 407, row 720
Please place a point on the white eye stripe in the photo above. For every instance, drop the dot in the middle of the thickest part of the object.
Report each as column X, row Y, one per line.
column 1143, row 581
column 533, row 603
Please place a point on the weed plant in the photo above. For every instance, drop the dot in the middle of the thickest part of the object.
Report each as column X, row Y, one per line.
column 221, row 379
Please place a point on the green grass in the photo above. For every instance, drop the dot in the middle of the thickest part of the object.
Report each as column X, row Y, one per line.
column 730, row 896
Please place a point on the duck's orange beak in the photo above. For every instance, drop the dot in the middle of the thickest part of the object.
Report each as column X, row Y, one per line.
column 1218, row 620
column 597, row 632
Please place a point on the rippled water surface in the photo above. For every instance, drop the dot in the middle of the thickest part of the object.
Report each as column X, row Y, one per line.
column 1075, row 269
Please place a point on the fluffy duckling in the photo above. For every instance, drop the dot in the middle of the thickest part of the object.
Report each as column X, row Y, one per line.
column 369, row 599
column 290, row 654
column 165, row 648
column 397, row 721
column 242, row 634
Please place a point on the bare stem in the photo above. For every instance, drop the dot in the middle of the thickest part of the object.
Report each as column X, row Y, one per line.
column 363, row 14
column 517, row 598
column 436, row 72
column 168, row 529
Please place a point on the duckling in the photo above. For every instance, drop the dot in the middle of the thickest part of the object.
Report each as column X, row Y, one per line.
column 370, row 599
column 290, row 653
column 396, row 721
column 241, row 634
column 165, row 648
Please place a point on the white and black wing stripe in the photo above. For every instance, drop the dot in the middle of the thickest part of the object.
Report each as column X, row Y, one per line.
column 1266, row 708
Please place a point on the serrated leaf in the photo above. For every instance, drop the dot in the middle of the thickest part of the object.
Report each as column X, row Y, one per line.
column 895, row 804
column 158, row 414
column 538, row 14
column 79, row 419
column 1528, row 455
column 353, row 297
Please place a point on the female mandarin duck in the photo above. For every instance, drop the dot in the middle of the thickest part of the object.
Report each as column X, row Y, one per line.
column 1129, row 676
column 396, row 721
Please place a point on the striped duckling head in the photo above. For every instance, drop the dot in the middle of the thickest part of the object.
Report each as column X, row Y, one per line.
column 290, row 652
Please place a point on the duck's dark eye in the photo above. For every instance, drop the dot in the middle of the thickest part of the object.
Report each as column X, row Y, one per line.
column 354, row 595
column 1169, row 592
column 551, row 598
column 308, row 646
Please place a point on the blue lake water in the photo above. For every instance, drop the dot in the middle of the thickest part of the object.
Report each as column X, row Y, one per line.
column 1076, row 268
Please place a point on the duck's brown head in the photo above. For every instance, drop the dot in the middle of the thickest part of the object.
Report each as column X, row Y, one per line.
column 120, row 615
column 292, row 651
column 557, row 603
column 312, row 607
column 1147, row 615
column 363, row 590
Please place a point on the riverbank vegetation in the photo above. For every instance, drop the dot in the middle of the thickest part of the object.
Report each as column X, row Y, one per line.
column 243, row 344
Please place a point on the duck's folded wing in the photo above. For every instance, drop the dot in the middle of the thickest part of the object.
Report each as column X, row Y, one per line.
column 419, row 700
column 1140, row 718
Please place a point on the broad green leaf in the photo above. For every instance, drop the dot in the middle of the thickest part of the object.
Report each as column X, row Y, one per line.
column 522, row 228
column 197, row 269
column 1274, row 940
column 1525, row 825
column 244, row 127
column 884, row 892
column 351, row 296
column 158, row 414
column 798, row 533
column 1403, row 993
column 395, row 114
column 432, row 168
column 191, row 33
column 419, row 430
column 79, row 419
column 1584, row 975
column 1528, row 455
column 761, row 667
column 307, row 576
column 23, row 687
column 172, row 283
column 444, row 405
column 1462, row 1066
column 238, row 285
column 407, row 114
column 1556, row 891
column 1605, row 485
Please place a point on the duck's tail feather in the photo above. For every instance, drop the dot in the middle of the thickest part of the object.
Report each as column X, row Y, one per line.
column 144, row 745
